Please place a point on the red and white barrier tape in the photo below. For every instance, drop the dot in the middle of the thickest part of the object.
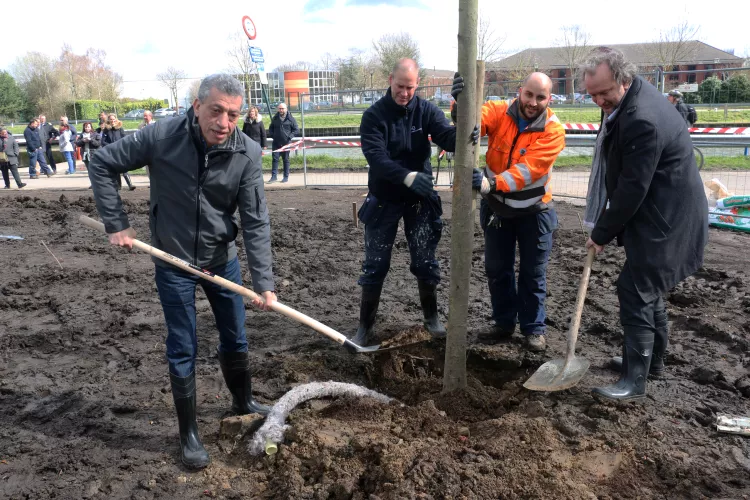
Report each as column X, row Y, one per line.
column 692, row 130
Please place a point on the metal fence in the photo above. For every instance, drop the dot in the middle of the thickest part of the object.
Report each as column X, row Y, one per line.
column 709, row 86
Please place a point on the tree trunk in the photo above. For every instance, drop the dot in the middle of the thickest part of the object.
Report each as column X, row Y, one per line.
column 462, row 224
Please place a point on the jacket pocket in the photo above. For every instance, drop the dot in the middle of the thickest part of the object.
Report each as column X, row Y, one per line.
column 370, row 211
column 547, row 222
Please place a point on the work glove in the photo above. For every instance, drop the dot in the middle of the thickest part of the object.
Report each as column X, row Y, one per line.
column 458, row 85
column 482, row 183
column 475, row 135
column 419, row 183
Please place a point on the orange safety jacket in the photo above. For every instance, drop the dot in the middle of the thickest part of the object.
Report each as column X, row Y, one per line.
column 520, row 162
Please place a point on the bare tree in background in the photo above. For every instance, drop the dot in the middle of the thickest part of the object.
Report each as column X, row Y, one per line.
column 241, row 64
column 327, row 62
column 173, row 79
column 674, row 45
column 489, row 43
column 573, row 46
column 392, row 47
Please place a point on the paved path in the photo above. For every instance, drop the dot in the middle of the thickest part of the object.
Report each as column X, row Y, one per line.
column 568, row 183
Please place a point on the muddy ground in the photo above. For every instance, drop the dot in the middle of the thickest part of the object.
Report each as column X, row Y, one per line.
column 86, row 409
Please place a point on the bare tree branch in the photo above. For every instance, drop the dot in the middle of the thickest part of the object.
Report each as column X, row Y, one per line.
column 674, row 45
column 573, row 46
column 489, row 44
column 173, row 79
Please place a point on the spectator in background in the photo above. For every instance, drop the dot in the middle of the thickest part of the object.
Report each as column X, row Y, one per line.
column 89, row 141
column 34, row 148
column 148, row 119
column 254, row 128
column 282, row 129
column 675, row 97
column 112, row 132
column 9, row 158
column 46, row 134
column 102, row 121
column 66, row 147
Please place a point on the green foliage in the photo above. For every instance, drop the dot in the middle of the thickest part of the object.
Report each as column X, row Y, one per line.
column 12, row 98
column 90, row 108
column 716, row 91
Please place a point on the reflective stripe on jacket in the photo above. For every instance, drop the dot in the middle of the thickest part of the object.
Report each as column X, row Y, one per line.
column 520, row 161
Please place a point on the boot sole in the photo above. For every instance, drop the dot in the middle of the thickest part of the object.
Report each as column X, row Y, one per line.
column 195, row 467
column 599, row 395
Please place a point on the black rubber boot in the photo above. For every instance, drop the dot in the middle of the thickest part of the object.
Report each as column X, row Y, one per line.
column 661, row 341
column 639, row 343
column 235, row 366
column 192, row 452
column 368, row 309
column 130, row 183
column 428, row 298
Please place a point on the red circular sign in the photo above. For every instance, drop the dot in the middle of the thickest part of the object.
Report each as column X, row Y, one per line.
column 249, row 27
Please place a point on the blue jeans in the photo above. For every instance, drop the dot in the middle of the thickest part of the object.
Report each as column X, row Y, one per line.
column 71, row 161
column 34, row 156
column 177, row 294
column 275, row 163
column 533, row 234
column 422, row 227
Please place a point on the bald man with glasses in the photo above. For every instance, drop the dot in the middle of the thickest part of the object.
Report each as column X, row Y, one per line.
column 282, row 129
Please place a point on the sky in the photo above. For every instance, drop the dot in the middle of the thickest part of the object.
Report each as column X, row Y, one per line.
column 196, row 40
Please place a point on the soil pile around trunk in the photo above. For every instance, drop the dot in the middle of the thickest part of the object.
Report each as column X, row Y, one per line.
column 87, row 412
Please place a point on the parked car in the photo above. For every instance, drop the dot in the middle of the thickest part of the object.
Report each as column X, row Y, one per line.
column 557, row 99
column 134, row 114
column 162, row 112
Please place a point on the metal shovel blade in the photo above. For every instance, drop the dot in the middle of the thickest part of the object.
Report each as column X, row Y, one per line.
column 555, row 376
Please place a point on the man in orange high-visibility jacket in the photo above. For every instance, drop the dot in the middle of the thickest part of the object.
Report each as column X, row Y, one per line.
column 525, row 138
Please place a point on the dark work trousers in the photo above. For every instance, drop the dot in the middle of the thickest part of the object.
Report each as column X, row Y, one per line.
column 5, row 167
column 275, row 164
column 637, row 309
column 533, row 236
column 177, row 294
column 423, row 228
column 50, row 158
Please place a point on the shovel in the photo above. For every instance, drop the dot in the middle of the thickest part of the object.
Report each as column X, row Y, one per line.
column 560, row 374
column 241, row 290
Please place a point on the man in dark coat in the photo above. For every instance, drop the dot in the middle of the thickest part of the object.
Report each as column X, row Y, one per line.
column 396, row 134
column 47, row 133
column 35, row 148
column 657, row 209
column 675, row 97
column 282, row 129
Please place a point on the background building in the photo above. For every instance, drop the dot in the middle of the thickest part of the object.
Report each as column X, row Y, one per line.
column 698, row 60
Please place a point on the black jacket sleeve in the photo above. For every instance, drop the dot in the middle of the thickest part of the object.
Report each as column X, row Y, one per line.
column 295, row 128
column 263, row 137
column 131, row 153
column 256, row 226
column 442, row 132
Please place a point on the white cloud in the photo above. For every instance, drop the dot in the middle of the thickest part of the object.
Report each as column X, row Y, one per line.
column 195, row 40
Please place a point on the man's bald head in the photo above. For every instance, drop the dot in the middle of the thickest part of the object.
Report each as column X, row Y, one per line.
column 405, row 64
column 404, row 81
column 539, row 79
column 534, row 95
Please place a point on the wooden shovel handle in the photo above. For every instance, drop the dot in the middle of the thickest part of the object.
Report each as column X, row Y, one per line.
column 186, row 266
column 583, row 286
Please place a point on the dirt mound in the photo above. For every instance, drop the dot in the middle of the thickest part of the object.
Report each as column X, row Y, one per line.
column 87, row 410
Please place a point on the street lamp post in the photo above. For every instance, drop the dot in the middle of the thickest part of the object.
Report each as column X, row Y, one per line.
column 371, row 73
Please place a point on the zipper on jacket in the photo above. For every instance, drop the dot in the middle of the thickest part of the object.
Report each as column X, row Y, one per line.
column 257, row 202
column 201, row 175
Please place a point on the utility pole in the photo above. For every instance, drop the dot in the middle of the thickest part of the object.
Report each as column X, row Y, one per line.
column 462, row 224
